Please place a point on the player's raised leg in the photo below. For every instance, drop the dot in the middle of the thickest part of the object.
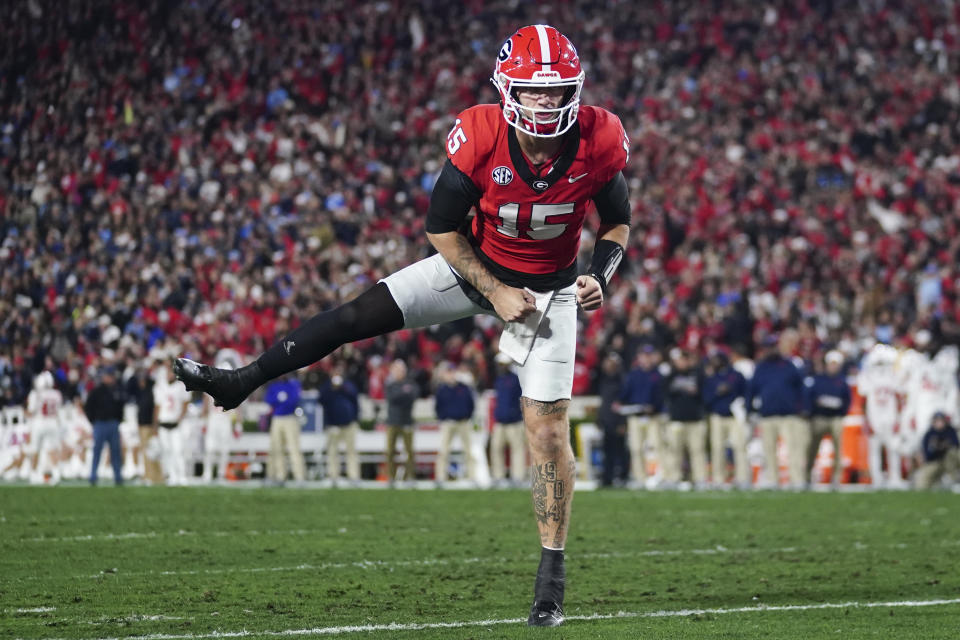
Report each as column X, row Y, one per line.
column 553, row 471
column 370, row 314
column 421, row 294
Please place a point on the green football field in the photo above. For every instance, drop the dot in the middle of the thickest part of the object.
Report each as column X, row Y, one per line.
column 165, row 563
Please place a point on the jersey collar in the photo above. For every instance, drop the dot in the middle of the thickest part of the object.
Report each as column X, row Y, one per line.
column 560, row 166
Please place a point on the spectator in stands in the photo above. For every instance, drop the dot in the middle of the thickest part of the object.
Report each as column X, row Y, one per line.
column 507, row 425
column 826, row 403
column 723, row 395
column 400, row 392
column 454, row 404
column 616, row 459
column 775, row 393
column 283, row 396
column 341, row 409
column 686, row 431
column 941, row 454
column 170, row 401
column 104, row 408
column 641, row 400
column 134, row 210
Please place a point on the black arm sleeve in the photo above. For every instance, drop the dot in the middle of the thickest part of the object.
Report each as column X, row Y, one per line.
column 453, row 196
column 613, row 201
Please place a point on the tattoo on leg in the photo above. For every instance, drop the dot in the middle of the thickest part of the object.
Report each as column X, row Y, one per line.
column 545, row 408
column 562, row 506
column 544, row 474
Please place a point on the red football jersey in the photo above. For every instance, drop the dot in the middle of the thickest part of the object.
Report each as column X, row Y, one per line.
column 526, row 222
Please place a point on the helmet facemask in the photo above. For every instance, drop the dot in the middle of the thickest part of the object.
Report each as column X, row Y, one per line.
column 530, row 120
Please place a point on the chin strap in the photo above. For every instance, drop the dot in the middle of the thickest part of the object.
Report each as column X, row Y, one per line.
column 607, row 255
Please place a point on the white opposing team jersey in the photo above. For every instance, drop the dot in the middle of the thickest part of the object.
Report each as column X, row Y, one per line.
column 932, row 387
column 15, row 437
column 45, row 404
column 219, row 429
column 169, row 399
column 879, row 385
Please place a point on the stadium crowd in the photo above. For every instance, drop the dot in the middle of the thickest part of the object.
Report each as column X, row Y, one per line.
column 184, row 177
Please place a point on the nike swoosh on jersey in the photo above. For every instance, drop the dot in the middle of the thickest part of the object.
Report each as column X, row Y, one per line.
column 574, row 179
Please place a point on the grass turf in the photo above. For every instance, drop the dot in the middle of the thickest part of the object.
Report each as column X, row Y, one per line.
column 191, row 562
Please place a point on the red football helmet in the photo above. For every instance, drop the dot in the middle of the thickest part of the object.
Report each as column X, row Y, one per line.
column 539, row 56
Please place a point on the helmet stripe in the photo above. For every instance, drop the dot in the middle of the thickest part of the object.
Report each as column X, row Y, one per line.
column 544, row 46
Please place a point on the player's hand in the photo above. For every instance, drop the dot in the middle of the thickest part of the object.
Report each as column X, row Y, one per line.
column 589, row 293
column 512, row 304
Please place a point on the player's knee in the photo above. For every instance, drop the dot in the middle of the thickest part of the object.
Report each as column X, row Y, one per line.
column 548, row 437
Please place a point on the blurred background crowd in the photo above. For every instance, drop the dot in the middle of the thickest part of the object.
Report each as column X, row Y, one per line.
column 184, row 177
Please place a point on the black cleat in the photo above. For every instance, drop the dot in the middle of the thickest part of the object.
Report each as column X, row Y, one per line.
column 545, row 614
column 227, row 387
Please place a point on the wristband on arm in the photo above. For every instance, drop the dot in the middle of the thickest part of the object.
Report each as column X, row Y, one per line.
column 607, row 255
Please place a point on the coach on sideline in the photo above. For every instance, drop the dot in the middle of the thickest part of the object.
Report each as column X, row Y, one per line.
column 104, row 409
column 776, row 392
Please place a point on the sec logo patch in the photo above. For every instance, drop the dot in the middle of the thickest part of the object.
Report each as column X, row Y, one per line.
column 502, row 175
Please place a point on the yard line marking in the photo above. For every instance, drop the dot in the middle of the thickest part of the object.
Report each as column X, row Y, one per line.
column 416, row 626
column 133, row 535
column 33, row 610
column 106, row 620
column 391, row 564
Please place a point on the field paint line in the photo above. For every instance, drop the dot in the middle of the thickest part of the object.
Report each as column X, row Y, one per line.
column 128, row 619
column 89, row 538
column 32, row 610
column 418, row 626
column 393, row 564
column 134, row 535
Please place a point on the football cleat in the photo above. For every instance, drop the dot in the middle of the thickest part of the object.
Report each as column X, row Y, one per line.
column 227, row 387
column 545, row 614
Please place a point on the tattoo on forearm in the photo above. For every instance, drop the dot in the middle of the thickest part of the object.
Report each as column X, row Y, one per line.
column 544, row 408
column 472, row 270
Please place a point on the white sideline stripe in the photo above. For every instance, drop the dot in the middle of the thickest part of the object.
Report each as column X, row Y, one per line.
column 34, row 610
column 416, row 626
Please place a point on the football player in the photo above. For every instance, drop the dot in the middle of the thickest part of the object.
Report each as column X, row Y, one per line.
column 220, row 430
column 529, row 166
column 170, row 409
column 14, row 448
column 43, row 414
column 877, row 382
column 931, row 387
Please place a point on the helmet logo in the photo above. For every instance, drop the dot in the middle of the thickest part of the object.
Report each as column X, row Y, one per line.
column 502, row 175
column 547, row 75
column 505, row 50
